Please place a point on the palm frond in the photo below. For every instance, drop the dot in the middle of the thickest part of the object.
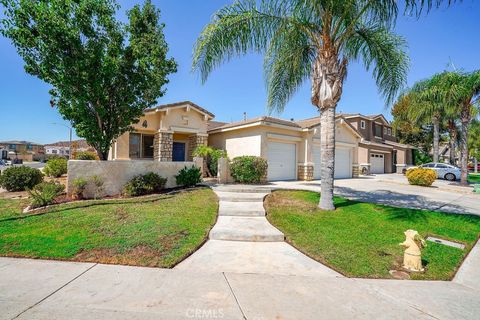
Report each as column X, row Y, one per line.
column 288, row 63
column 383, row 51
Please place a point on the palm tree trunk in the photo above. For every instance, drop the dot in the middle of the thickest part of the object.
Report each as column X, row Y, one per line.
column 453, row 139
column 327, row 81
column 436, row 138
column 475, row 165
column 327, row 156
column 465, row 119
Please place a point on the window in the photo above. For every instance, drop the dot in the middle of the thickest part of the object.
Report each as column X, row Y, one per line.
column 377, row 130
column 54, row 151
column 442, row 166
column 428, row 165
column 384, row 130
column 29, row 147
column 362, row 124
column 12, row 146
column 389, row 131
column 140, row 145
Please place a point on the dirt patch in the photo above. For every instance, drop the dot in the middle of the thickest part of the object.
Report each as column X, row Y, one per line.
column 276, row 199
column 141, row 255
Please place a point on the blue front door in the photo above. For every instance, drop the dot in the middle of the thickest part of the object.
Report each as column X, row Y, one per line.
column 178, row 153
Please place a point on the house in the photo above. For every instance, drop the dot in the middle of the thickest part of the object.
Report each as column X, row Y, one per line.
column 168, row 132
column 291, row 148
column 62, row 148
column 23, row 150
column 378, row 150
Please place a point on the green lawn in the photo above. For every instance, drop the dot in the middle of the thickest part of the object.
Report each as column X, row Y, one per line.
column 157, row 231
column 362, row 239
column 474, row 178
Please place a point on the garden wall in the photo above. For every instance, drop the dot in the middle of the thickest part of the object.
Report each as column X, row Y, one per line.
column 115, row 174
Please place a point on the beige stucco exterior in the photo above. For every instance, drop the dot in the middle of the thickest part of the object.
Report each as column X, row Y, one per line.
column 180, row 122
column 253, row 139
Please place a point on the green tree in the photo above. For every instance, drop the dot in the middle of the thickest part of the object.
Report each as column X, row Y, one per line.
column 312, row 40
column 103, row 73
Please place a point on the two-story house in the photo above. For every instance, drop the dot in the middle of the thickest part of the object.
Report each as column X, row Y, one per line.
column 378, row 150
column 24, row 150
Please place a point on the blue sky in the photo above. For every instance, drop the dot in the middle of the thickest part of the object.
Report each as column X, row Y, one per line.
column 236, row 87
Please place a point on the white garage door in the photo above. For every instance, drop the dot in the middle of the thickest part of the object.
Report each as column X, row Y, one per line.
column 281, row 161
column 343, row 163
column 377, row 163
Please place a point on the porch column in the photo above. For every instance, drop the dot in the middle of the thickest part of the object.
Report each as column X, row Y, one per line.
column 163, row 146
column 194, row 141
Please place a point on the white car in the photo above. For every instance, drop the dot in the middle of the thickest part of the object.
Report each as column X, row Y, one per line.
column 444, row 170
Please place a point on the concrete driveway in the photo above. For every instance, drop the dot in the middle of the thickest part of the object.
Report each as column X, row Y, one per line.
column 395, row 191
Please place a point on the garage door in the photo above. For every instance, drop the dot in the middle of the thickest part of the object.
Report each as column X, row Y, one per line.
column 377, row 163
column 281, row 161
column 343, row 163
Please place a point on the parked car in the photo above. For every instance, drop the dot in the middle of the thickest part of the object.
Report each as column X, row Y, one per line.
column 444, row 170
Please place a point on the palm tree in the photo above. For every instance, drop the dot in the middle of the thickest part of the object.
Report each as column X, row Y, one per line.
column 309, row 39
column 425, row 107
column 463, row 90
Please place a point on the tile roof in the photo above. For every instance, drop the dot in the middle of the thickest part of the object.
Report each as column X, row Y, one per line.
column 263, row 119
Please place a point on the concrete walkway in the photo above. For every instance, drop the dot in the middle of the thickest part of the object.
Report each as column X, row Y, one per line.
column 36, row 289
column 243, row 241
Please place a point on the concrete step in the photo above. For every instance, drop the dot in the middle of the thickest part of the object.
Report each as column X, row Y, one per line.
column 242, row 188
column 248, row 209
column 256, row 229
column 241, row 196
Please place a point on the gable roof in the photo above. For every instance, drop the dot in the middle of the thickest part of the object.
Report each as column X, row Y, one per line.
column 256, row 121
column 179, row 104
column 371, row 117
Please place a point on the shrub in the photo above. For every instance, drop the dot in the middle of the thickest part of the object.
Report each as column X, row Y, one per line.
column 420, row 157
column 86, row 155
column 189, row 177
column 56, row 167
column 248, row 169
column 144, row 184
column 421, row 176
column 45, row 193
column 97, row 186
column 20, row 178
column 212, row 155
column 79, row 186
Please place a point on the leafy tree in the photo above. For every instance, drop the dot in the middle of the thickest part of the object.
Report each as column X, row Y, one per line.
column 312, row 40
column 103, row 73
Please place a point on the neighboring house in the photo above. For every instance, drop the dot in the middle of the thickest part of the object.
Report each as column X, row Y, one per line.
column 62, row 148
column 166, row 133
column 444, row 153
column 292, row 149
column 24, row 150
column 378, row 150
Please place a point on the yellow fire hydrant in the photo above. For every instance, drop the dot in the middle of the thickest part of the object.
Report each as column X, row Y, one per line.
column 412, row 257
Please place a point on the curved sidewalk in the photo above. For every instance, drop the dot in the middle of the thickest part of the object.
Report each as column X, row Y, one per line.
column 243, row 241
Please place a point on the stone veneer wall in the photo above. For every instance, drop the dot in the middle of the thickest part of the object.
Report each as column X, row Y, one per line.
column 355, row 171
column 305, row 172
column 193, row 142
column 115, row 174
column 163, row 146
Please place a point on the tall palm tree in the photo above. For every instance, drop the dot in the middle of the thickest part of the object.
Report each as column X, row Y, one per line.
column 425, row 107
column 463, row 89
column 309, row 39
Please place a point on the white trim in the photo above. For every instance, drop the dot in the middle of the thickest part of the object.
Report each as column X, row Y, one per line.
column 243, row 126
column 283, row 137
column 379, row 151
column 184, row 129
column 345, row 144
column 186, row 105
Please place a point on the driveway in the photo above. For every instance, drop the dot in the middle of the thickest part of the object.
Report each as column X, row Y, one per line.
column 393, row 190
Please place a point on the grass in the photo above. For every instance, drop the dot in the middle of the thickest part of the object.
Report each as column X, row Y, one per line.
column 362, row 239
column 155, row 231
column 474, row 178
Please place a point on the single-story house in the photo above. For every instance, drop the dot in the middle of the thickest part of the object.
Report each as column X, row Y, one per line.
column 292, row 149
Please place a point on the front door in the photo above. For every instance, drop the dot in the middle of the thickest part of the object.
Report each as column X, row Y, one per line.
column 178, row 152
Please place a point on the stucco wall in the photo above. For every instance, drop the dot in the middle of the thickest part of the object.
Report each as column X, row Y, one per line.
column 116, row 174
column 239, row 142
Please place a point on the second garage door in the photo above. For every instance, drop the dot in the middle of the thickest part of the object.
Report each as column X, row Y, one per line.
column 377, row 163
column 343, row 163
column 281, row 161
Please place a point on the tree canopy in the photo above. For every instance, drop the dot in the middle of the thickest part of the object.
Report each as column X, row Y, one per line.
column 103, row 72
